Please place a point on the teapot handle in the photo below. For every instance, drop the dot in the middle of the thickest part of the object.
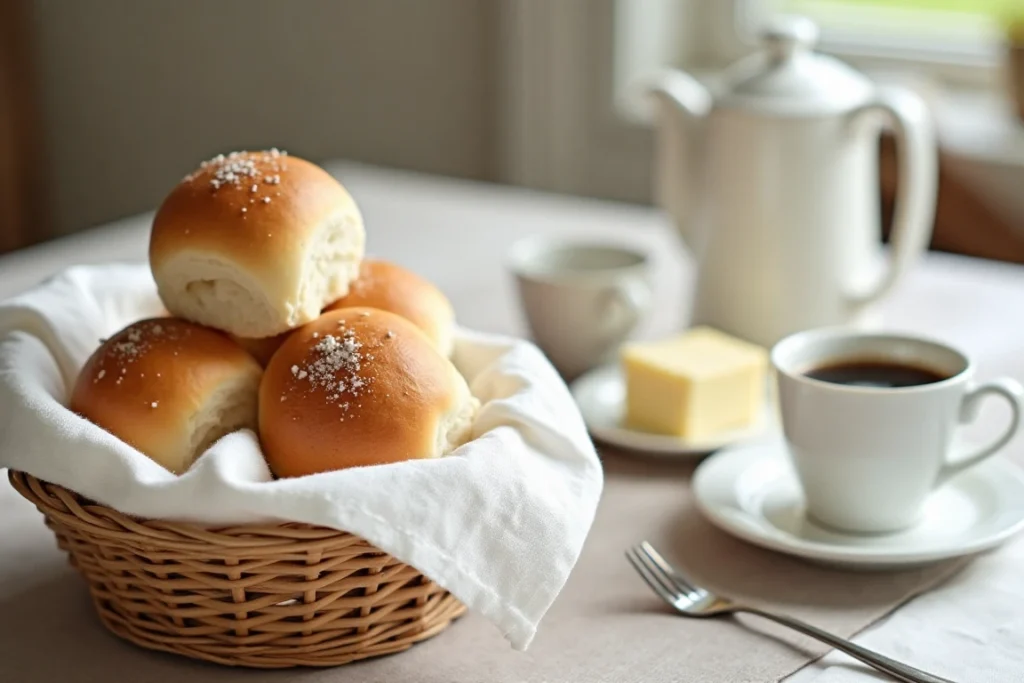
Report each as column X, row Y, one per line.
column 917, row 168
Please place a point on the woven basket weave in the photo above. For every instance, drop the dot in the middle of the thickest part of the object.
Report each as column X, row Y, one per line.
column 270, row 596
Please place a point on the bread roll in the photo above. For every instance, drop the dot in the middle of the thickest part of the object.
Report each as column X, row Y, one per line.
column 360, row 386
column 392, row 288
column 262, row 349
column 255, row 243
column 169, row 388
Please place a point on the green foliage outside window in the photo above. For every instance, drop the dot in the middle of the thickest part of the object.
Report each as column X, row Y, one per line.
column 1008, row 14
column 1003, row 10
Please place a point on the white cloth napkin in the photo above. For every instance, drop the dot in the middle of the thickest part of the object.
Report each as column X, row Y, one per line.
column 968, row 629
column 499, row 523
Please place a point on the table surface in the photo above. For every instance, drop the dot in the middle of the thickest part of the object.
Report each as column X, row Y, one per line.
column 410, row 219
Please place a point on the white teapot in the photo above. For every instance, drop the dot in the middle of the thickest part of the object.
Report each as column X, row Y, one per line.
column 773, row 183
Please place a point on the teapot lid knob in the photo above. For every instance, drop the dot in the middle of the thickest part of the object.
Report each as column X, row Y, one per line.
column 785, row 34
column 786, row 77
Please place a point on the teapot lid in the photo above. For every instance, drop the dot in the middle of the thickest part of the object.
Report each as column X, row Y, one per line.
column 787, row 77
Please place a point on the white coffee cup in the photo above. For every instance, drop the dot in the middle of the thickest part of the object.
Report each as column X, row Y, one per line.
column 867, row 457
column 581, row 299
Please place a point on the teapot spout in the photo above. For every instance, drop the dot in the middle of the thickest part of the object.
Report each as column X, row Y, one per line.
column 681, row 105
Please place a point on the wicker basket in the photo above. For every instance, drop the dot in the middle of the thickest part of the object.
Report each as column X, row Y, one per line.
column 258, row 596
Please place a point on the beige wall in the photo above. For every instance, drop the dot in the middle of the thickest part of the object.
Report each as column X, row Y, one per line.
column 134, row 93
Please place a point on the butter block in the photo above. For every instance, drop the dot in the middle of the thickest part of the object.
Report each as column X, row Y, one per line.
column 694, row 385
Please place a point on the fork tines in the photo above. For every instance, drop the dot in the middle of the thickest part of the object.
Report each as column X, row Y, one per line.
column 662, row 577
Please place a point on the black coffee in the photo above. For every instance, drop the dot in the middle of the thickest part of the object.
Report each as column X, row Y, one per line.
column 866, row 373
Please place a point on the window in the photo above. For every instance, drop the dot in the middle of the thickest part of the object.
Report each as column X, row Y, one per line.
column 947, row 42
column 937, row 31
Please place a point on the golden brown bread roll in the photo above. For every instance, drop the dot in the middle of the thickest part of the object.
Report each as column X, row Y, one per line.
column 262, row 349
column 170, row 388
column 360, row 386
column 255, row 243
column 392, row 288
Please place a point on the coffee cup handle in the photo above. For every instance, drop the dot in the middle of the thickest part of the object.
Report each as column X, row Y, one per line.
column 626, row 303
column 1007, row 388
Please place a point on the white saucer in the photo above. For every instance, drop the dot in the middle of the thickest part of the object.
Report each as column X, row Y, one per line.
column 601, row 397
column 751, row 492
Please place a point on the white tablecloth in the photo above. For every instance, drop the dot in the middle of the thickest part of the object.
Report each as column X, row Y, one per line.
column 971, row 303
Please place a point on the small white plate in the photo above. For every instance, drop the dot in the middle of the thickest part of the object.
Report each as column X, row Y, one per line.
column 752, row 492
column 601, row 397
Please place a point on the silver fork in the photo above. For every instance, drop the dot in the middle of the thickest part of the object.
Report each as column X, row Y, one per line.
column 691, row 600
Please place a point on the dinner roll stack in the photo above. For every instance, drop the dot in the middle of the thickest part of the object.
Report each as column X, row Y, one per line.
column 169, row 388
column 360, row 386
column 255, row 243
column 392, row 288
column 247, row 252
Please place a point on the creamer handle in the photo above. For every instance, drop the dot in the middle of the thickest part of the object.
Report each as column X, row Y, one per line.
column 917, row 186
